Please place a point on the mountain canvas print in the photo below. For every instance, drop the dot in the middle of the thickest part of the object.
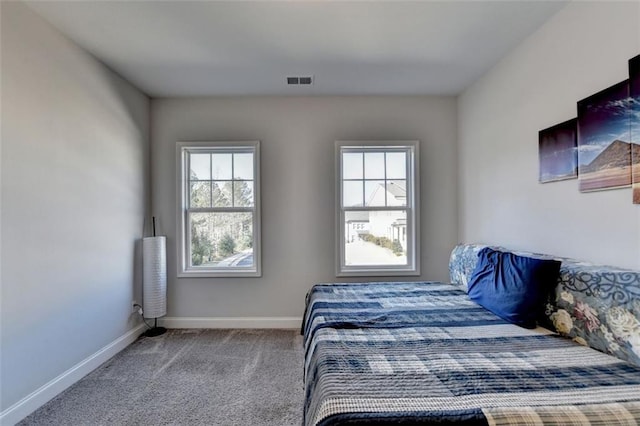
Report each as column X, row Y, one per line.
column 604, row 140
column 634, row 94
column 557, row 148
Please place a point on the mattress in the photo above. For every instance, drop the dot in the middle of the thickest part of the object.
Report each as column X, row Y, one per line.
column 424, row 353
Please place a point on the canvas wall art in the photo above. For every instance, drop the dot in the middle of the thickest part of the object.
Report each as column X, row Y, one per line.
column 558, row 152
column 634, row 116
column 604, row 142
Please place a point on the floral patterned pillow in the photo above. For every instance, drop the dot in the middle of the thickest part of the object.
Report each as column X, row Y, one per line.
column 599, row 307
column 463, row 261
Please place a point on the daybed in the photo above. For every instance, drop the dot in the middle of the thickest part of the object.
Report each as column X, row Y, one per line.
column 417, row 353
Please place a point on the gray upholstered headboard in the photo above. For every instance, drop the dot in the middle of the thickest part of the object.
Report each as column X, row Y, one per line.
column 595, row 305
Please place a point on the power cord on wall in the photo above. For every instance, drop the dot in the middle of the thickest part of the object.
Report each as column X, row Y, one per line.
column 140, row 312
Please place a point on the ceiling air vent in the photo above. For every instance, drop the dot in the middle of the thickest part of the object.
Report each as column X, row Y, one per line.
column 300, row 81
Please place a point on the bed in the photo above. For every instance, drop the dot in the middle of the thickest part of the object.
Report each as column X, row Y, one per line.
column 423, row 353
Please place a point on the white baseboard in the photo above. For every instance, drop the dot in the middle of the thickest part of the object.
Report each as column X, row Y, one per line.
column 231, row 322
column 48, row 391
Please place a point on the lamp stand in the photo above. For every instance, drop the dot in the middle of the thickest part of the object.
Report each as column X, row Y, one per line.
column 155, row 331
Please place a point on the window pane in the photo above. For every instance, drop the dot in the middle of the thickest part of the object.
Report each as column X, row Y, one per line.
column 352, row 165
column 352, row 193
column 221, row 166
column 221, row 239
column 396, row 165
column 242, row 193
column 375, row 238
column 374, row 165
column 396, row 193
column 222, row 194
column 200, row 166
column 374, row 193
column 200, row 194
column 243, row 166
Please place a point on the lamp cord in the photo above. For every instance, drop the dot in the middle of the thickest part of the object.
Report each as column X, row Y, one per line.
column 142, row 316
column 145, row 322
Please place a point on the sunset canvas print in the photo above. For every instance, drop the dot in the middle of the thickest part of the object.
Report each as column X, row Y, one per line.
column 604, row 140
column 557, row 149
column 634, row 113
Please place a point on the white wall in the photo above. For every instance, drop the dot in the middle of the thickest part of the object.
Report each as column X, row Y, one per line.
column 581, row 50
column 74, row 196
column 297, row 152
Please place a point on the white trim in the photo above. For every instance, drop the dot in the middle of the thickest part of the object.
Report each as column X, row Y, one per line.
column 413, row 210
column 48, row 391
column 182, row 247
column 231, row 322
column 362, row 271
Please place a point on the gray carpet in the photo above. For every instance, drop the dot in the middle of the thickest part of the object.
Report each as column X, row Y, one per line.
column 189, row 377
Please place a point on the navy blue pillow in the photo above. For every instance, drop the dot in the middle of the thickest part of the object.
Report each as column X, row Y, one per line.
column 513, row 287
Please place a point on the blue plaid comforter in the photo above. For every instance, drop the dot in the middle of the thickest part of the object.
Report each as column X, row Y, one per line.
column 423, row 353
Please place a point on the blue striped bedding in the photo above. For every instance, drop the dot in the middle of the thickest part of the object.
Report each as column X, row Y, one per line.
column 423, row 353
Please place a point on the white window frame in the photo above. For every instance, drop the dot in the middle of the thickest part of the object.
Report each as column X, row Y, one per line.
column 412, row 208
column 183, row 242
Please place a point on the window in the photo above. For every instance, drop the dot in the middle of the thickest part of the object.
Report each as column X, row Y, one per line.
column 219, row 209
column 377, row 187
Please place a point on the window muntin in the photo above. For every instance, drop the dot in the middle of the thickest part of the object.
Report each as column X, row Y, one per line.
column 219, row 217
column 377, row 188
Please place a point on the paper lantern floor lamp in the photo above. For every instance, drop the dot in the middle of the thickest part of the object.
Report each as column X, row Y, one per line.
column 154, row 281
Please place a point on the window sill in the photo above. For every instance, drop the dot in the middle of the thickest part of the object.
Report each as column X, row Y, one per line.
column 219, row 274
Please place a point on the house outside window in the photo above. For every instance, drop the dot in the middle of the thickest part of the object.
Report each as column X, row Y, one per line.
column 377, row 214
column 219, row 209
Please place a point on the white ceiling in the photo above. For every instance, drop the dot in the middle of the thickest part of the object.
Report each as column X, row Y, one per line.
column 199, row 48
